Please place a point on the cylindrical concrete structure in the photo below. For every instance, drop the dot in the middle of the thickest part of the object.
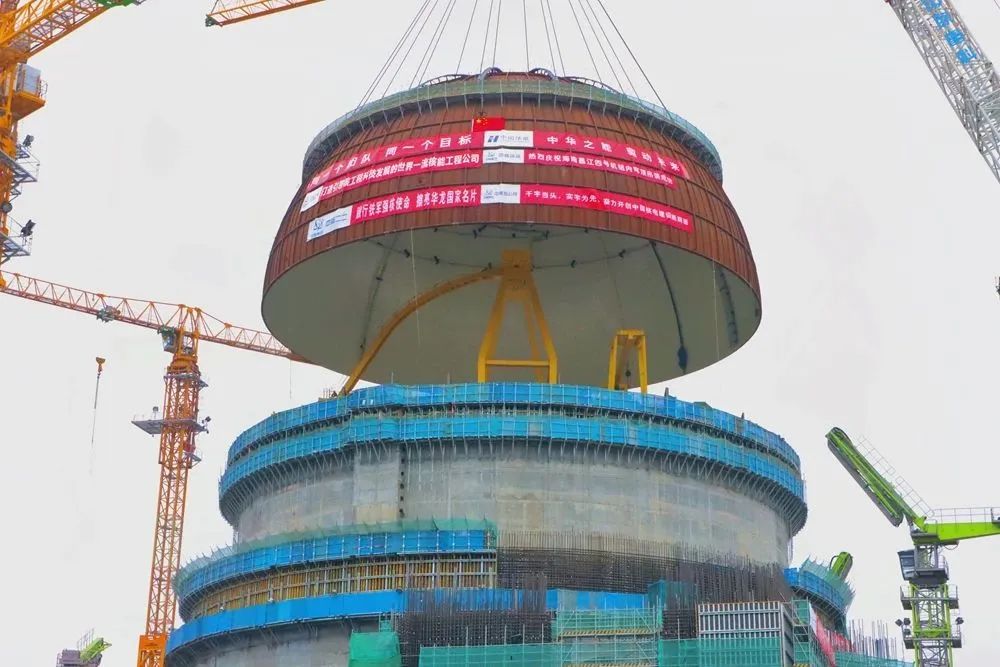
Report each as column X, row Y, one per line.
column 477, row 513
column 346, row 504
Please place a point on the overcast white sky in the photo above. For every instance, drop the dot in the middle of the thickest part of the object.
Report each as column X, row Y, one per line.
column 170, row 153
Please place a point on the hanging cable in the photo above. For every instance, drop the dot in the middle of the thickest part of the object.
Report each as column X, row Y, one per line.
column 555, row 36
column 406, row 55
column 583, row 36
column 527, row 53
column 614, row 51
column 392, row 56
column 420, row 75
column 93, row 426
column 496, row 35
column 486, row 37
column 600, row 44
column 634, row 59
column 548, row 37
column 468, row 31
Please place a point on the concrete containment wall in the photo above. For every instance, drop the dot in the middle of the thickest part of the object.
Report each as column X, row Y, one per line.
column 524, row 488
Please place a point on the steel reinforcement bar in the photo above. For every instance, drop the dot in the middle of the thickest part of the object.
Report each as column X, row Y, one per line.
column 202, row 577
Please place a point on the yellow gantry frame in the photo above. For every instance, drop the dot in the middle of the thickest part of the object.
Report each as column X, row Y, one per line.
column 516, row 284
column 626, row 342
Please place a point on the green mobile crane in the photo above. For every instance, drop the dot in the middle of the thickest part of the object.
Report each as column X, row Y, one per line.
column 930, row 630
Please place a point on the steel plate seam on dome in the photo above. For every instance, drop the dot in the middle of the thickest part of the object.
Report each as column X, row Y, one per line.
column 414, row 430
column 194, row 582
column 391, row 397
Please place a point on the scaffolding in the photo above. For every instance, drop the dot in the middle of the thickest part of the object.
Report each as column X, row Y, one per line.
column 374, row 649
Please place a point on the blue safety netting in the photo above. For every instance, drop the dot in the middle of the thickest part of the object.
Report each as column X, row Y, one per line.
column 194, row 578
column 822, row 586
column 392, row 397
column 418, row 430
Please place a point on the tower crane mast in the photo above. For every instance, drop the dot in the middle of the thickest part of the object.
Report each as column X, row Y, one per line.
column 181, row 328
column 960, row 66
column 930, row 630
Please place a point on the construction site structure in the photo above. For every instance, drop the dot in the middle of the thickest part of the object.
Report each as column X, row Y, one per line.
column 933, row 627
column 484, row 239
column 960, row 67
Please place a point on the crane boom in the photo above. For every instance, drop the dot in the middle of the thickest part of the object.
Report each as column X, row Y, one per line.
column 182, row 328
column 872, row 482
column 960, row 67
column 930, row 600
column 154, row 315
column 227, row 12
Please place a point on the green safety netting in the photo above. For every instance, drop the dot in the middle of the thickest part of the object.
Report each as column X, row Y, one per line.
column 374, row 649
column 762, row 652
column 508, row 655
column 601, row 622
column 856, row 660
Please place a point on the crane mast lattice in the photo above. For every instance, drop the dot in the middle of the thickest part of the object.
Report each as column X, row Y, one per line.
column 960, row 67
column 181, row 328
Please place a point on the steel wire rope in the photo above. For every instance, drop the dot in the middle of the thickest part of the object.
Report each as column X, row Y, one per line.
column 527, row 52
column 496, row 33
column 420, row 76
column 555, row 36
column 388, row 61
column 486, row 37
column 583, row 36
column 631, row 54
column 406, row 55
column 597, row 38
column 614, row 51
column 468, row 31
column 431, row 45
column 548, row 37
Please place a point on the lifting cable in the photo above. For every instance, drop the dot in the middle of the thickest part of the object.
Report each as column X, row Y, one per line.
column 465, row 42
column 548, row 35
column 93, row 426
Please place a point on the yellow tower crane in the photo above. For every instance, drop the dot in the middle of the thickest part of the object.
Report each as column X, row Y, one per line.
column 181, row 329
column 26, row 28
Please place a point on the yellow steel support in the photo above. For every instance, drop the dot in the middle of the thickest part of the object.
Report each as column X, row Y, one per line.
column 411, row 307
column 517, row 284
column 625, row 342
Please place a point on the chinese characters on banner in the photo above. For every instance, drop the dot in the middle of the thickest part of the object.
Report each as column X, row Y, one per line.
column 426, row 164
column 475, row 159
column 463, row 196
column 575, row 143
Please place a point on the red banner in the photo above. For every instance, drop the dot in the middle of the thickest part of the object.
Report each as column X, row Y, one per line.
column 551, row 195
column 576, row 143
column 463, row 196
column 476, row 159
column 405, row 167
column 607, row 148
column 603, row 164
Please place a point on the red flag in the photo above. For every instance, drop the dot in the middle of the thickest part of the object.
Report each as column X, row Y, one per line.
column 488, row 124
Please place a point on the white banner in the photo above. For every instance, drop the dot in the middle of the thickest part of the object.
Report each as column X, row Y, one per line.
column 507, row 155
column 332, row 221
column 311, row 199
column 509, row 139
column 501, row 193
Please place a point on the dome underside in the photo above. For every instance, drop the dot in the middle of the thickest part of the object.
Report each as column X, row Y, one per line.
column 591, row 284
